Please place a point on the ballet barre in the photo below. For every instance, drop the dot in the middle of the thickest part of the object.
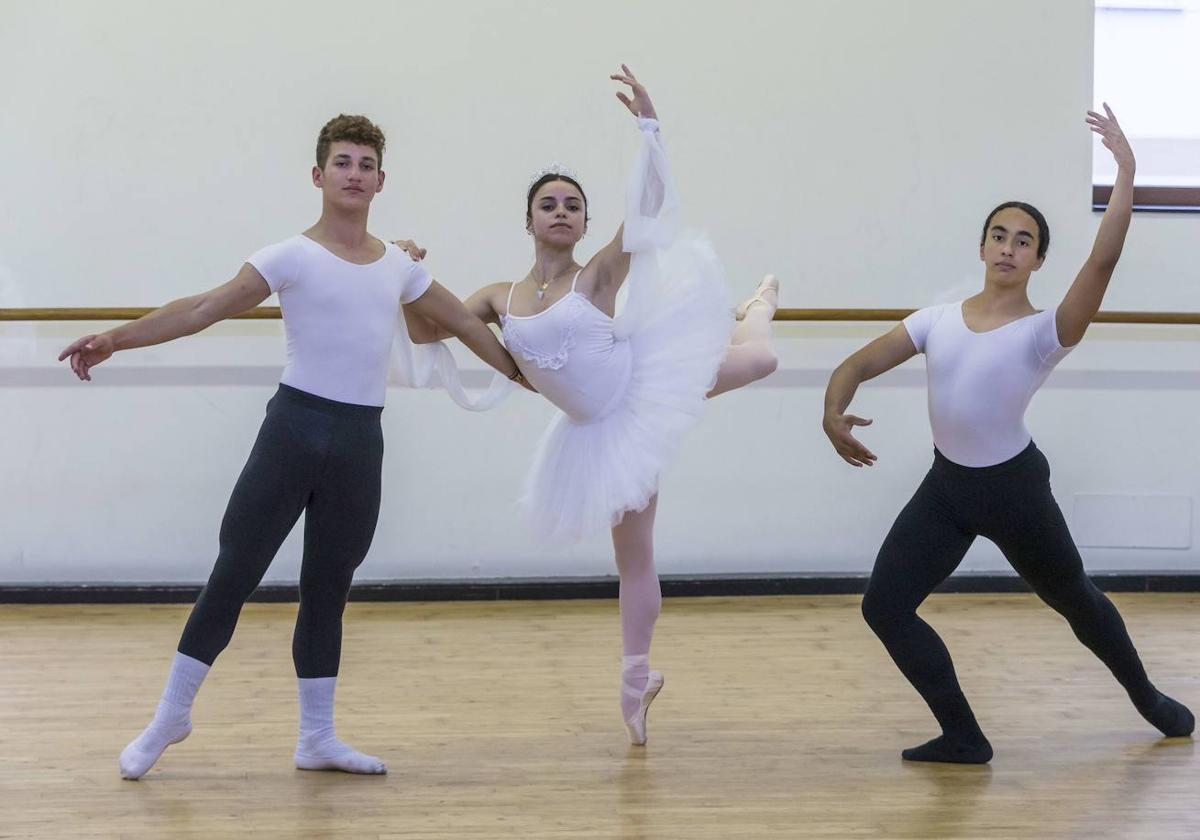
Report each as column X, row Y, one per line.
column 272, row 313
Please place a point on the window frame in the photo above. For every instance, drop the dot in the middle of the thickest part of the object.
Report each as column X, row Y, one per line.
column 1154, row 199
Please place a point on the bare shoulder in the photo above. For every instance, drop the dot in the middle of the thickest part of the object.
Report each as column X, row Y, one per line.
column 495, row 292
column 593, row 270
column 488, row 302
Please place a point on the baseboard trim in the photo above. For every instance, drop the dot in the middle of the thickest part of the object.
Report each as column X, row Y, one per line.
column 548, row 589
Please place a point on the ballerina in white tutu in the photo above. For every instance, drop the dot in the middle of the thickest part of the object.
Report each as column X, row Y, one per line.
column 628, row 387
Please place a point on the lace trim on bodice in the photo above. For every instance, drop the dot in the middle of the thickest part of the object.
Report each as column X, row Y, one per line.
column 575, row 306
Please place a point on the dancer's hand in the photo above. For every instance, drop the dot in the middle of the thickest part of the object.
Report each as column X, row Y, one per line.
column 411, row 248
column 86, row 353
column 839, row 427
column 640, row 105
column 1112, row 137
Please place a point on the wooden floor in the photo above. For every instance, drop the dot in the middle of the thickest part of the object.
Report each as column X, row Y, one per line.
column 781, row 717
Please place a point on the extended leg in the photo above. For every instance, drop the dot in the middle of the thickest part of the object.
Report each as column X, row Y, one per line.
column 750, row 356
column 1039, row 546
column 265, row 504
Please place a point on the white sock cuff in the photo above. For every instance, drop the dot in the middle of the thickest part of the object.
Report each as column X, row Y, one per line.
column 316, row 687
column 316, row 703
column 187, row 673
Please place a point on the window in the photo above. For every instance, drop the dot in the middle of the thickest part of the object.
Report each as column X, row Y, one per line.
column 1147, row 67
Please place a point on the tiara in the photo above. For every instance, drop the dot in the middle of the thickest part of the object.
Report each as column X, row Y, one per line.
column 553, row 169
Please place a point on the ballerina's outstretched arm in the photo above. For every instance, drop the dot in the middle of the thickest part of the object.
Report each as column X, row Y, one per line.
column 612, row 261
column 1083, row 299
column 652, row 222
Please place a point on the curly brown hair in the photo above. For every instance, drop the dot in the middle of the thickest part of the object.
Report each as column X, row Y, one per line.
column 352, row 129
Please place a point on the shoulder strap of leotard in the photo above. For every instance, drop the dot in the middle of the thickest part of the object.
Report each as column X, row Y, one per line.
column 575, row 279
column 508, row 305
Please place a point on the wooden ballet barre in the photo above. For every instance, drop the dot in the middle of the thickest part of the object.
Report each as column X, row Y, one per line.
column 114, row 313
column 1112, row 317
column 815, row 315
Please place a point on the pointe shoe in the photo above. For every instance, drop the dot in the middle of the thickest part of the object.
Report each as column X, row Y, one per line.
column 770, row 283
column 635, row 727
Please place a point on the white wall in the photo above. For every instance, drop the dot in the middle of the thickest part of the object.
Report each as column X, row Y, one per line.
column 852, row 148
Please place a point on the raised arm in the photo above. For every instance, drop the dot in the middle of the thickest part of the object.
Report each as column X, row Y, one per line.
column 447, row 313
column 181, row 317
column 612, row 261
column 881, row 355
column 1083, row 299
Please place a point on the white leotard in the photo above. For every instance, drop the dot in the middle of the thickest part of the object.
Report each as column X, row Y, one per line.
column 570, row 354
column 340, row 317
column 981, row 383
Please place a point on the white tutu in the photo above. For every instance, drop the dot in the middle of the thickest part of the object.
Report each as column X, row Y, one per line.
column 677, row 320
column 633, row 385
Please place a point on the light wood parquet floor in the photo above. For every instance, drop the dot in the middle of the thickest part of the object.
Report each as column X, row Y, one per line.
column 781, row 718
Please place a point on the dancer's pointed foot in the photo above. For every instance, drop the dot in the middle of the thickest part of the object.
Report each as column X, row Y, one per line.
column 635, row 726
column 951, row 751
column 1170, row 717
column 143, row 752
column 766, row 294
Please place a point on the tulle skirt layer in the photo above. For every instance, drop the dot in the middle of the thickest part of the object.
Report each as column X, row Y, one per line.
column 677, row 320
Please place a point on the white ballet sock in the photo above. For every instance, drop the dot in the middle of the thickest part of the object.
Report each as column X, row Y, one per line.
column 635, row 671
column 318, row 747
column 172, row 720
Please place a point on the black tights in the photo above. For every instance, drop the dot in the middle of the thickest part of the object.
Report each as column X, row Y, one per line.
column 315, row 456
column 1011, row 504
